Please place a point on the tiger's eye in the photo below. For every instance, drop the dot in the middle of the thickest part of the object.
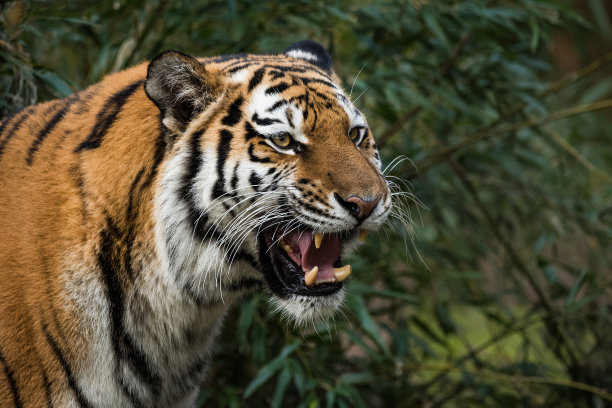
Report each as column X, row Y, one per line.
column 354, row 134
column 282, row 140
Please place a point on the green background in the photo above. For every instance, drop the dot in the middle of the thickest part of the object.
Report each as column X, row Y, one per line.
column 491, row 286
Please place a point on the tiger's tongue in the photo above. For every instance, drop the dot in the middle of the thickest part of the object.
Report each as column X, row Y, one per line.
column 324, row 257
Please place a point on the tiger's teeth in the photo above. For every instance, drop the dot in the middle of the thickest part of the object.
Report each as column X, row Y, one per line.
column 330, row 280
column 318, row 238
column 310, row 276
column 286, row 247
column 342, row 273
column 362, row 235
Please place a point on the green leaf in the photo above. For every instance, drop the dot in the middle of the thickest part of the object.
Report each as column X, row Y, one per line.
column 535, row 33
column 330, row 398
column 357, row 339
column 357, row 378
column 575, row 288
column 281, row 385
column 366, row 322
column 428, row 330
column 299, row 379
column 247, row 312
column 359, row 288
column 269, row 369
column 56, row 83
column 431, row 20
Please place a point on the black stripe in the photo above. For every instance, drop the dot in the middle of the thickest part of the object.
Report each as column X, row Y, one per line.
column 317, row 211
column 47, row 386
column 257, row 159
column 251, row 59
column 289, row 116
column 193, row 164
column 69, row 375
column 228, row 57
column 264, row 121
column 160, row 150
column 48, row 129
column 242, row 66
column 140, row 364
column 276, row 74
column 295, row 67
column 244, row 284
column 322, row 96
column 79, row 182
column 16, row 125
column 124, row 348
column 234, row 114
column 314, row 121
column 130, row 217
column 197, row 219
column 11, row 380
column 319, row 81
column 277, row 105
column 250, row 132
column 189, row 378
column 291, row 68
column 129, row 392
column 276, row 89
column 222, row 153
column 107, row 116
column 300, row 98
column 234, row 181
column 257, row 78
column 6, row 121
column 255, row 181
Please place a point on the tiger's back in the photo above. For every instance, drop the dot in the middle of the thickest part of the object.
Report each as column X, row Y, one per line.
column 117, row 262
column 54, row 205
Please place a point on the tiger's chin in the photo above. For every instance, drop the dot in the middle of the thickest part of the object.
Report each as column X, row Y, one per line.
column 303, row 270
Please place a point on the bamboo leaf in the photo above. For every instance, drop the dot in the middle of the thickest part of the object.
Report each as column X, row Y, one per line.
column 268, row 370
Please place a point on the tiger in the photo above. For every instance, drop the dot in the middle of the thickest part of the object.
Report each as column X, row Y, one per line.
column 137, row 211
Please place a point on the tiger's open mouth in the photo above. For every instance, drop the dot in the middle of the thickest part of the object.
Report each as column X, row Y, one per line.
column 304, row 262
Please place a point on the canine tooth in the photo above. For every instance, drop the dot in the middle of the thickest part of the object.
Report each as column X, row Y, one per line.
column 342, row 273
column 362, row 235
column 318, row 238
column 283, row 244
column 310, row 276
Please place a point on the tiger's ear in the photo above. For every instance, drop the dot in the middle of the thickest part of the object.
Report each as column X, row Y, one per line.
column 180, row 87
column 312, row 52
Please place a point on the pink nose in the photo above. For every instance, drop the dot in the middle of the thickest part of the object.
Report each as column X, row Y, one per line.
column 359, row 207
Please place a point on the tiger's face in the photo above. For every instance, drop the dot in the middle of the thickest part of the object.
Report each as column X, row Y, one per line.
column 274, row 176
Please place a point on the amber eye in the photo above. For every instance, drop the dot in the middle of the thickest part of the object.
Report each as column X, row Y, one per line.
column 282, row 139
column 355, row 134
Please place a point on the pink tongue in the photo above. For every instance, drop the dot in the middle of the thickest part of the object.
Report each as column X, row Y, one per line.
column 323, row 257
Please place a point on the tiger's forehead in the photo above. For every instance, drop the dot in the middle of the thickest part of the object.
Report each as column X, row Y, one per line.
column 287, row 92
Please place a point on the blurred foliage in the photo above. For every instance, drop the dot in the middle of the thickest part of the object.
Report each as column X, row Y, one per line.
column 501, row 294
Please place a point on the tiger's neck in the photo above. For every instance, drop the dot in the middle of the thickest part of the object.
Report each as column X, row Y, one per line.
column 165, row 293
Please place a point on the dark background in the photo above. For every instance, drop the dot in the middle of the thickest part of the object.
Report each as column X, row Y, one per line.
column 498, row 115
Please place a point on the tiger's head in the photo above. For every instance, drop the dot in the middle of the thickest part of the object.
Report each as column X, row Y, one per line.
column 273, row 177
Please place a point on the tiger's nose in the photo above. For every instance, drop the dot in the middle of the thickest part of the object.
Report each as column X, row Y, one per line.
column 359, row 207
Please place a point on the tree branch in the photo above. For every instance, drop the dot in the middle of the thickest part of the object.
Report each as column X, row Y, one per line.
column 443, row 153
